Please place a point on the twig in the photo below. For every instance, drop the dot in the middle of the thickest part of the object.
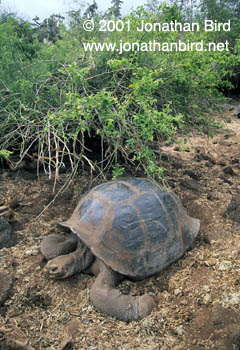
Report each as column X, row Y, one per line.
column 65, row 185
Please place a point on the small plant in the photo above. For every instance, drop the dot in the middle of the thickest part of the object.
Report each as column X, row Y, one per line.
column 5, row 154
column 117, row 171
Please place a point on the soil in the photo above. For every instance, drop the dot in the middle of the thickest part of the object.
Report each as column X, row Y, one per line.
column 198, row 297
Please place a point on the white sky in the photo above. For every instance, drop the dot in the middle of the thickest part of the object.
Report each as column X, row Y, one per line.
column 44, row 8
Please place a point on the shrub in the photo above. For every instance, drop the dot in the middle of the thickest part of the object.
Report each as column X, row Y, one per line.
column 58, row 98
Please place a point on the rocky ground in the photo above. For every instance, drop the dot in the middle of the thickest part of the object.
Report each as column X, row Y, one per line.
column 198, row 297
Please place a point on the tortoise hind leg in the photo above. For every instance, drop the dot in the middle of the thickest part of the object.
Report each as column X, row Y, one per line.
column 55, row 245
column 111, row 301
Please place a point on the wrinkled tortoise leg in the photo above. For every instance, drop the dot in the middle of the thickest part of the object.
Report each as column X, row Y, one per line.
column 111, row 301
column 55, row 245
column 64, row 266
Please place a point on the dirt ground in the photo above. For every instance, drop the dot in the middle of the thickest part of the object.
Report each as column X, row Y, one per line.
column 198, row 297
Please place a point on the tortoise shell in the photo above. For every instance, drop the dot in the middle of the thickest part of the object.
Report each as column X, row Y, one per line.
column 135, row 227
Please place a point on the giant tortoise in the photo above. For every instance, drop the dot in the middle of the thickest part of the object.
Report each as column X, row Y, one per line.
column 125, row 228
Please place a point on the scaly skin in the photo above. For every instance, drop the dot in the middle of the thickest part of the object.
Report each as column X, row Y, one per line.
column 65, row 266
column 55, row 245
column 111, row 301
column 103, row 294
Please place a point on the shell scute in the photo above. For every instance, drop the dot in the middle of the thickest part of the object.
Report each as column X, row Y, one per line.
column 140, row 186
column 153, row 216
column 114, row 191
column 173, row 209
column 127, row 229
column 91, row 211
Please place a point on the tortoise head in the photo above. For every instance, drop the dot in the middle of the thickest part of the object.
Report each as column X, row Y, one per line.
column 61, row 267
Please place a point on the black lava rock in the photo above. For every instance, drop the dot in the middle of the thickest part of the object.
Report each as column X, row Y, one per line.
column 7, row 238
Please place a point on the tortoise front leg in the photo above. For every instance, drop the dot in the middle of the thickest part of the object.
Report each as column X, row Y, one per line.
column 111, row 301
column 64, row 266
column 55, row 245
